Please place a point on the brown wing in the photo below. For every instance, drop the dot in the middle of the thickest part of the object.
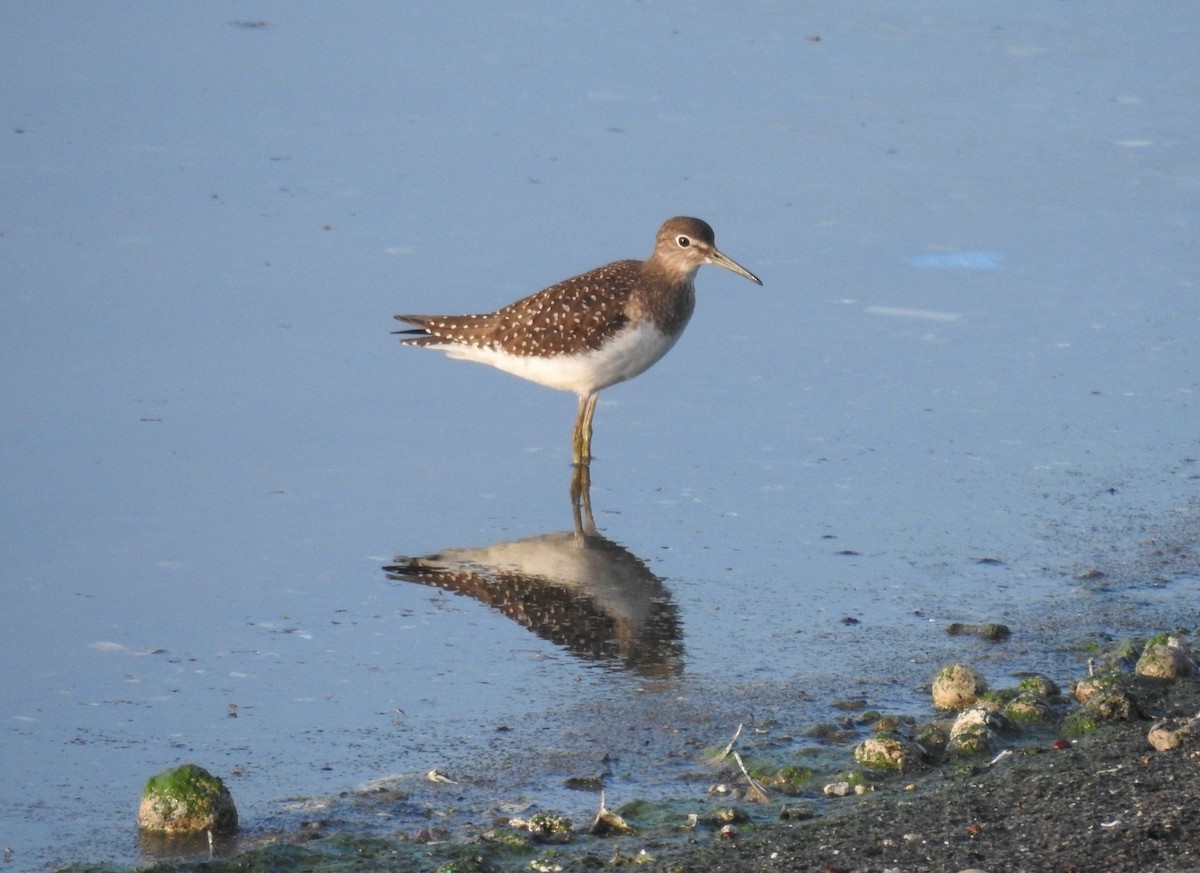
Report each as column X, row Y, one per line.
column 578, row 313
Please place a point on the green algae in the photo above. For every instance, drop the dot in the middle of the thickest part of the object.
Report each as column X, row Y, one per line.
column 1040, row 685
column 1029, row 708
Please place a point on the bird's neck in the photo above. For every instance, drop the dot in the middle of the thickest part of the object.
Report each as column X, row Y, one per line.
column 666, row 299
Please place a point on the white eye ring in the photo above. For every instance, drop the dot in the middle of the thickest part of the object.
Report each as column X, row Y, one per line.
column 682, row 241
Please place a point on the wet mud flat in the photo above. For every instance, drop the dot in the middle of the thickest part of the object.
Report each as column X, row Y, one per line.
column 1103, row 801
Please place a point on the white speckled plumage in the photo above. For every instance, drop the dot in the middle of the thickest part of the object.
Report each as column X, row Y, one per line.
column 591, row 331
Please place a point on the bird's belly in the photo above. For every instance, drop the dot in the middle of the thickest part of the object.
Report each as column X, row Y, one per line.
column 624, row 356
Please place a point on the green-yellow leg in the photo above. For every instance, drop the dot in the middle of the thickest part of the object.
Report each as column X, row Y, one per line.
column 581, row 442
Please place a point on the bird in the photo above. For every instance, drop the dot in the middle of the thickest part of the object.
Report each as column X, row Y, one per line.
column 589, row 332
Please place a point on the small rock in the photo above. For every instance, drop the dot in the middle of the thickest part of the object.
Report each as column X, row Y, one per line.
column 967, row 720
column 974, row 732
column 836, row 789
column 1028, row 707
column 730, row 815
column 888, row 753
column 983, row 716
column 933, row 737
column 957, row 687
column 187, row 799
column 991, row 632
column 1086, row 688
column 584, row 783
column 608, row 824
column 889, row 723
column 512, row 839
column 546, row 827
column 976, row 741
column 1113, row 705
column 1171, row 734
column 1169, row 660
column 799, row 812
column 1043, row 686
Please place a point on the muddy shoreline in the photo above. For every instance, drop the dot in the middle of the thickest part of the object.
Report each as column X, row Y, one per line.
column 1105, row 802
column 1102, row 801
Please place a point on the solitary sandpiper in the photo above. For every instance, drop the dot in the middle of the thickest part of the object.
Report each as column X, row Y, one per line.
column 592, row 331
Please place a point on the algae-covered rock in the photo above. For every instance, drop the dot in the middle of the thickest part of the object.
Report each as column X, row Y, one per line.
column 1043, row 686
column 1029, row 707
column 976, row 716
column 974, row 732
column 974, row 741
column 992, row 632
column 888, row 753
column 798, row 812
column 186, row 800
column 729, row 815
column 546, row 827
column 889, row 724
column 1166, row 660
column 1089, row 686
column 1106, row 701
column 1113, row 705
column 933, row 737
column 957, row 687
column 790, row 779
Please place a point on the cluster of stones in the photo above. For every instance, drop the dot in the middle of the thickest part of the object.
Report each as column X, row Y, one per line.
column 982, row 719
column 1169, row 659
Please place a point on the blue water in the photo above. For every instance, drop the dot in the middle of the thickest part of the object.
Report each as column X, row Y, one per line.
column 976, row 339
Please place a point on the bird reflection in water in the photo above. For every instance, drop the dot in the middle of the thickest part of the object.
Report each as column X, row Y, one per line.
column 578, row 589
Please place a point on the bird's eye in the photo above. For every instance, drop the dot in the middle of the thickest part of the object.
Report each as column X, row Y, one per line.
column 683, row 242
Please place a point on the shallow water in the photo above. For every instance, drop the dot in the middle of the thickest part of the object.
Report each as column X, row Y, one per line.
column 976, row 340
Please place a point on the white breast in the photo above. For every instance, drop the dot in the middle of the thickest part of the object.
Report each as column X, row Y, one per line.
column 626, row 355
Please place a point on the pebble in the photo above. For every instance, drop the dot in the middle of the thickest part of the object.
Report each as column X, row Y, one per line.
column 1171, row 734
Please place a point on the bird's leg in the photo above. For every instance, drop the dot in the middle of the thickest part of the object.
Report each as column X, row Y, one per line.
column 581, row 441
column 577, row 456
column 581, row 478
